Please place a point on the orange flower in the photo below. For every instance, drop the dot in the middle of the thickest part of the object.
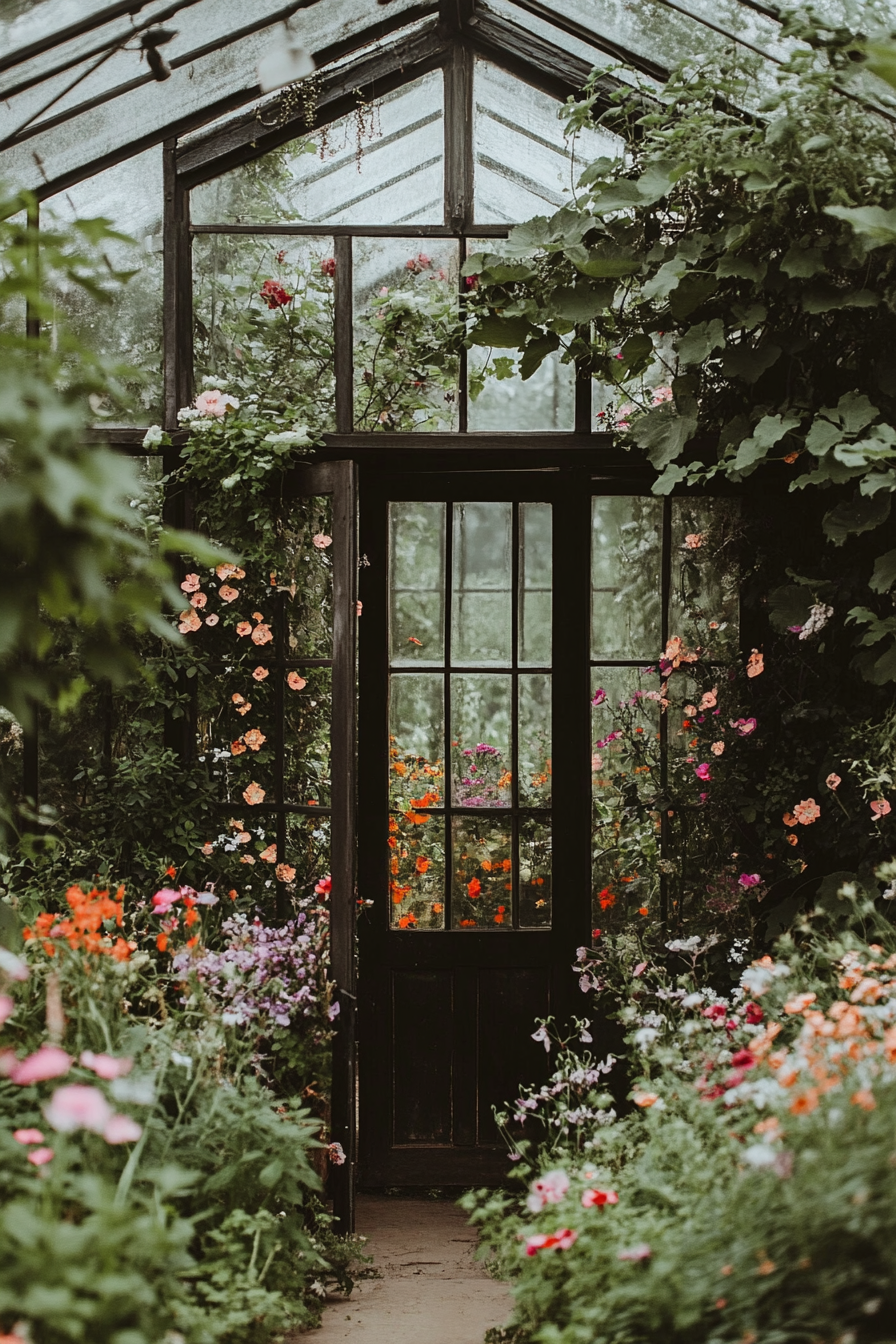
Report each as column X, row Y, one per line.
column 766, row 1267
column 248, row 858
column 254, row 794
column 400, row 768
column 191, row 583
column 269, row 855
column 407, row 921
column 191, row 917
column 295, row 682
column 804, row 1102
column 121, row 950
column 792, row 840
column 189, row 621
column 284, row 873
column 474, row 887
column 437, row 907
column 416, row 818
column 162, row 941
column 643, row 910
column 262, row 634
column 807, row 811
column 468, row 923
column 486, row 865
column 237, row 748
column 261, row 673
column 789, row 819
column 254, row 739
column 422, row 864
column 243, row 628
column 607, row 899
column 755, row 664
column 645, row 1099
column 799, row 1002
column 198, row 601
column 230, row 572
column 864, row 1097
column 228, row 594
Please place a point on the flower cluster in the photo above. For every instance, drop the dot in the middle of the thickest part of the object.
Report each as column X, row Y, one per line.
column 87, row 928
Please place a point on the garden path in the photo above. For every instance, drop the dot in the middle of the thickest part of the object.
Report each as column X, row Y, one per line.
column 432, row 1290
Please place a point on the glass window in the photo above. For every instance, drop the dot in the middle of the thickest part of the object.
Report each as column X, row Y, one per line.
column 472, row 853
column 128, row 329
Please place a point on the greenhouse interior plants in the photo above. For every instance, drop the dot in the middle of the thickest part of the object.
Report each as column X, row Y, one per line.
column 447, row 666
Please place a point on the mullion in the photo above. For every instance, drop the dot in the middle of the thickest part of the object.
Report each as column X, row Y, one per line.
column 515, row 714
column 446, row 682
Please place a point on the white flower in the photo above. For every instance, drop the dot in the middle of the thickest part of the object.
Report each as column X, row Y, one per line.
column 760, row 1155
column 185, row 1061
column 819, row 615
column 542, row 1036
column 646, row 1036
column 209, row 381
column 684, row 944
column 297, row 437
column 139, row 1091
column 153, row 436
column 186, row 414
column 692, row 1000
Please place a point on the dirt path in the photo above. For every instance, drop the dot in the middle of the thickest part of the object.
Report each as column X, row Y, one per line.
column 432, row 1290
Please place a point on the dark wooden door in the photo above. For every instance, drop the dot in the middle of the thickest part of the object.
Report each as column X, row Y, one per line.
column 473, row 820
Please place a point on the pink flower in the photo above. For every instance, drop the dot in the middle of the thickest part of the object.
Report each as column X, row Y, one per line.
column 694, row 540
column 244, row 628
column 122, row 1129
column 47, row 1062
column 28, row 1136
column 7, row 1007
column 12, row 965
column 592, row 1199
column 215, row 403
column 191, row 583
column 106, row 1066
column 321, row 541
column 880, row 808
column 212, row 620
column 754, row 1014
column 39, row 1158
column 660, row 395
column 78, row 1106
column 833, row 781
column 550, row 1188
column 599, row 696
column 260, row 673
column 709, row 699
column 743, row 726
column 703, row 771
column 717, row 748
column 328, row 266
column 808, row 811
column 639, row 1252
column 189, row 621
column 228, row 594
column 749, row 880
column 336, row 1154
column 324, row 886
column 163, row 900
column 557, row 1241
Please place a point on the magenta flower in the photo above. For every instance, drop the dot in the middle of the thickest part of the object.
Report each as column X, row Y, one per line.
column 743, row 726
column 703, row 771
column 78, row 1106
column 106, row 1066
column 122, row 1129
column 599, row 696
column 47, row 1062
column 163, row 900
column 749, row 880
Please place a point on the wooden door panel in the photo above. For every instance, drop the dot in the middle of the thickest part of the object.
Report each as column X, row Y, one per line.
column 509, row 1001
column 422, row 1034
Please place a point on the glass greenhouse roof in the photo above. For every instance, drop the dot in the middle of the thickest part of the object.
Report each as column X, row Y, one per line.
column 79, row 94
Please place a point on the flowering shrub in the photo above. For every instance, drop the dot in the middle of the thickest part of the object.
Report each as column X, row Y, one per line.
column 746, row 1190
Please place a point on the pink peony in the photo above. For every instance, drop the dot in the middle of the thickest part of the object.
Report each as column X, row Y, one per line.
column 78, row 1106
column 122, row 1129
column 40, row 1157
column 215, row 403
column 7, row 1007
column 106, row 1066
column 28, row 1136
column 47, row 1062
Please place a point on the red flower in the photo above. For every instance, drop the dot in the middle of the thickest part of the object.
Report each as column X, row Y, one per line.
column 606, row 899
column 274, row 295
column 328, row 267
column 754, row 1014
column 743, row 1059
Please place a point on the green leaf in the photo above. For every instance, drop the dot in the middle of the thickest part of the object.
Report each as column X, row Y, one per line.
column 609, row 260
column 673, row 475
column 788, row 606
column 621, row 195
column 637, row 352
column 822, row 436
column 667, row 278
column 528, row 238
column 741, row 267
column 581, row 303
column 860, row 514
column 816, row 144
column 692, row 291
column 663, row 432
column 597, row 170
column 823, row 297
column 750, row 362
column 856, row 411
column 536, row 352
column 871, row 222
column 802, row 262
column 699, row 341
column 884, row 575
column 503, row 332
column 769, row 432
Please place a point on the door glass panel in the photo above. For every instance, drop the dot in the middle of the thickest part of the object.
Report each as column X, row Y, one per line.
column 482, row 880
column 481, row 607
column 417, row 583
column 451, row 864
column 625, row 577
column 481, row 760
column 703, row 601
column 536, row 588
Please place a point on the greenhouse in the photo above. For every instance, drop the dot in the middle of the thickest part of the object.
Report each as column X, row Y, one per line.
column 447, row 664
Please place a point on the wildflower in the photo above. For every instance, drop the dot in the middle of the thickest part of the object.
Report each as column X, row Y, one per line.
column 254, row 794
column 747, row 880
column 328, row 267
column 807, row 811
column 702, row 771
column 269, row 855
column 710, row 699
column 188, row 621
column 717, row 748
column 336, row 1154
column 28, row 1136
column 558, row 1241
column 599, row 696
column 694, row 540
column 228, row 571
column 645, row 1099
column 261, row 673
column 660, row 395
column 597, row 1198
column 106, row 1066
column 799, row 1002
column 38, row 1158
column 163, row 900
column 274, row 295
column 295, row 682
column 550, row 1188
column 744, row 727
column 254, row 739
column 284, row 873
column 607, row 899
column 641, row 1251
column 755, row 664
column 753, row 1014
column 880, row 808
column 324, row 886
column 321, row 541
column 864, row 1097
column 122, row 1129
column 243, row 628
column 541, row 1035
column 212, row 619
column 819, row 615
column 191, row 583
column 78, row 1106
column 228, row 594
column 47, row 1062
column 154, row 437
column 262, row 634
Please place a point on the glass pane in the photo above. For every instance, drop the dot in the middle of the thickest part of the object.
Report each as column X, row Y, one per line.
column 417, row 871
column 535, row 873
column 625, row 719
column 381, row 164
column 308, row 581
column 535, row 740
column 128, row 329
column 407, row 334
column 236, row 736
column 482, row 881
column 625, row 577
column 263, row 324
column 523, row 164
column 480, row 740
column 536, row 568
column 416, row 741
column 704, row 601
column 501, row 400
column 308, row 712
column 307, row 850
column 481, row 584
column 417, row 583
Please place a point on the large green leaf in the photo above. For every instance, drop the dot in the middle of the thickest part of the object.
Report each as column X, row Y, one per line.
column 860, row 514
column 802, row 262
column 509, row 333
column 667, row 278
column 884, row 575
column 822, row 436
column 693, row 289
column 536, row 352
column 769, row 432
column 699, row 341
column 581, row 303
column 871, row 222
column 856, row 411
column 608, row 260
column 750, row 362
column 663, row 432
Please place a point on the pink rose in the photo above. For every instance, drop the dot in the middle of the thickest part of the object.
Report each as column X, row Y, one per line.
column 880, row 808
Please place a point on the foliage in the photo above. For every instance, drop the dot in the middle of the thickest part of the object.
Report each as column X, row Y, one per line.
column 748, row 1190
column 742, row 260
column 160, row 1176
